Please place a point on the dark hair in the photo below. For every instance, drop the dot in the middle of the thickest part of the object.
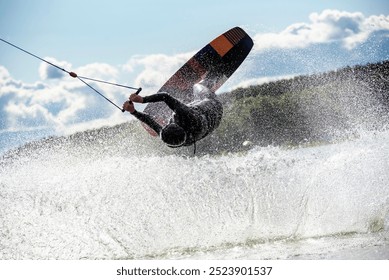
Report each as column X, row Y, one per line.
column 173, row 135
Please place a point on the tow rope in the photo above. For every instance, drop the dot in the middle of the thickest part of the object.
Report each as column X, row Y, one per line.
column 81, row 78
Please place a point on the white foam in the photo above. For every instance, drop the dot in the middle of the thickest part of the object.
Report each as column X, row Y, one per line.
column 71, row 203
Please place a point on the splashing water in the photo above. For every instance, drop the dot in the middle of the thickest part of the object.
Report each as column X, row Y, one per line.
column 68, row 203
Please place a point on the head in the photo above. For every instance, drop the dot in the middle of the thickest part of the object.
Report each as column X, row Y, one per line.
column 173, row 135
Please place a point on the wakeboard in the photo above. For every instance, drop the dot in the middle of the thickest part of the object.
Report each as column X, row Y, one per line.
column 214, row 64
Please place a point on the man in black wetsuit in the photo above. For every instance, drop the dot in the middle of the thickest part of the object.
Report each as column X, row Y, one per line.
column 189, row 123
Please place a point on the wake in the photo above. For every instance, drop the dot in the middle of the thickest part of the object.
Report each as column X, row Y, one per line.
column 77, row 202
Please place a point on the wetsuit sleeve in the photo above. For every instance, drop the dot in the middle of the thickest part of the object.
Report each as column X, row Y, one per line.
column 148, row 120
column 174, row 104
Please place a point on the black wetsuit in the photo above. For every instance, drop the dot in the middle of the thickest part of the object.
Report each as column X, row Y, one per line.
column 198, row 118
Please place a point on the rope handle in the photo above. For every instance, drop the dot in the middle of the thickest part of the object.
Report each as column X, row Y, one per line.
column 137, row 92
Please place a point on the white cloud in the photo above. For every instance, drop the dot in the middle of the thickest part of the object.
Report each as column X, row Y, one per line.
column 155, row 69
column 23, row 116
column 98, row 71
column 47, row 71
column 4, row 74
column 350, row 29
column 57, row 104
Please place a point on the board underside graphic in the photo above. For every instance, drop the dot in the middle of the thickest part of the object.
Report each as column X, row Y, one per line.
column 214, row 63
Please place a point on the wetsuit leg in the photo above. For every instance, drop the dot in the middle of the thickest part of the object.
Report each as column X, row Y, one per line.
column 148, row 120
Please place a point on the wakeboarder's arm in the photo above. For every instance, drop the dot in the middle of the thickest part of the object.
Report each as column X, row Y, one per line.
column 174, row 104
column 148, row 120
column 129, row 106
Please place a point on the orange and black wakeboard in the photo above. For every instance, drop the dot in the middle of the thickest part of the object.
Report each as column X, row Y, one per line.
column 214, row 63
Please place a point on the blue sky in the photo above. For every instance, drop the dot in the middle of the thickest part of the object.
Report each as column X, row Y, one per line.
column 84, row 32
column 142, row 43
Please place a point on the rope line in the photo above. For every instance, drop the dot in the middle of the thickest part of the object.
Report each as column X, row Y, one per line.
column 74, row 75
